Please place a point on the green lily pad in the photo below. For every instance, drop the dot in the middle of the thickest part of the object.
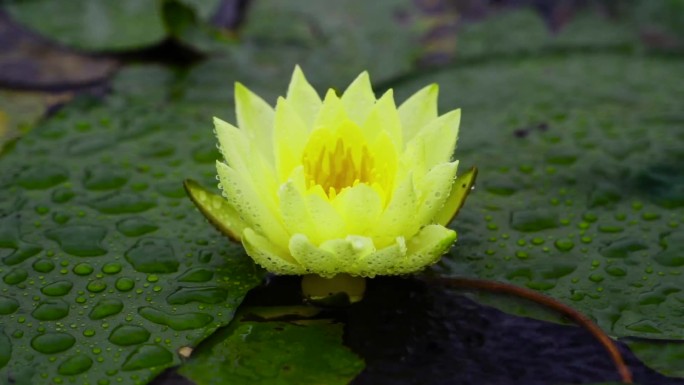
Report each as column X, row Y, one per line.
column 107, row 268
column 580, row 194
column 667, row 357
column 274, row 352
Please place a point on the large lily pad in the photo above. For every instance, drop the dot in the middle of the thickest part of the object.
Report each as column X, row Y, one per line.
column 107, row 268
column 581, row 191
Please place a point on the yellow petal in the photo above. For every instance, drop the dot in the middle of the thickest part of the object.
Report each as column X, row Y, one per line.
column 332, row 112
column 254, row 210
column 290, row 136
column 398, row 217
column 303, row 97
column 426, row 247
column 294, row 210
column 358, row 99
column 233, row 144
column 329, row 223
column 255, row 118
column 418, row 110
column 459, row 192
column 435, row 190
column 359, row 206
column 332, row 257
column 438, row 139
column 268, row 255
column 382, row 262
column 384, row 117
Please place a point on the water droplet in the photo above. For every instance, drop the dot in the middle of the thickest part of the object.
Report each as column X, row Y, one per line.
column 558, row 270
column 96, row 286
column 50, row 343
column 124, row 284
column 58, row 288
column 83, row 269
column 610, row 228
column 42, row 177
column 180, row 321
column 615, row 271
column 644, row 326
column 670, row 258
column 199, row 274
column 622, row 248
column 125, row 335
column 105, row 308
column 90, row 144
column 62, row 195
column 136, row 226
column 564, row 244
column 184, row 295
column 79, row 240
column 43, row 266
column 152, row 255
column 51, row 310
column 533, row 220
column 596, row 278
column 8, row 305
column 104, row 177
column 111, row 268
column 24, row 252
column 15, row 276
column 561, row 157
column 648, row 216
column 122, row 203
column 75, row 365
column 147, row 356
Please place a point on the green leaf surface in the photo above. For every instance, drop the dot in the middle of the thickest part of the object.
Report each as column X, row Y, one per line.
column 107, row 268
column 580, row 194
column 667, row 357
column 98, row 25
column 271, row 352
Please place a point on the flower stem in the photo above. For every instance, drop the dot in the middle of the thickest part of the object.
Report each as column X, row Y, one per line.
column 340, row 290
column 531, row 295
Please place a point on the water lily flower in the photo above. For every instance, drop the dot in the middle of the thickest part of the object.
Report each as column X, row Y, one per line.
column 349, row 184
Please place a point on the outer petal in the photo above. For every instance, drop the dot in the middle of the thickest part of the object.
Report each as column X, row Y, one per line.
column 418, row 110
column 426, row 247
column 438, row 139
column 384, row 117
column 255, row 118
column 295, row 211
column 358, row 99
column 216, row 209
column 290, row 136
column 435, row 190
column 268, row 255
column 304, row 98
column 359, row 206
column 397, row 218
column 332, row 257
column 382, row 262
column 459, row 192
column 233, row 144
column 251, row 206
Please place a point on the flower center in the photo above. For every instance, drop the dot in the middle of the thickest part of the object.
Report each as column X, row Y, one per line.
column 336, row 161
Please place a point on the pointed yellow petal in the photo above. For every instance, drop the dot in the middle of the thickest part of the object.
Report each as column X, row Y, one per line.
column 233, row 144
column 384, row 117
column 332, row 257
column 396, row 220
column 382, row 262
column 295, row 213
column 268, row 255
column 359, row 206
column 257, row 212
column 332, row 112
column 290, row 136
column 255, row 118
column 303, row 97
column 358, row 99
column 435, row 191
column 426, row 248
column 347, row 251
column 438, row 138
column 418, row 110
column 459, row 192
column 330, row 224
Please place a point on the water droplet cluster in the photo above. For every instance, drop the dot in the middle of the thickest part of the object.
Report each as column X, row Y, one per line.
column 106, row 267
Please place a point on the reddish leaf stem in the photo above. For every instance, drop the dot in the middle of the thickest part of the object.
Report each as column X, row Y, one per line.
column 579, row 318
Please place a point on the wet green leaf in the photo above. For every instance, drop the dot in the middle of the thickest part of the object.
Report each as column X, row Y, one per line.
column 274, row 352
column 667, row 357
column 107, row 268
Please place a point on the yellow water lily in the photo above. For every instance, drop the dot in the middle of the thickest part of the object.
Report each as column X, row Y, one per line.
column 348, row 184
